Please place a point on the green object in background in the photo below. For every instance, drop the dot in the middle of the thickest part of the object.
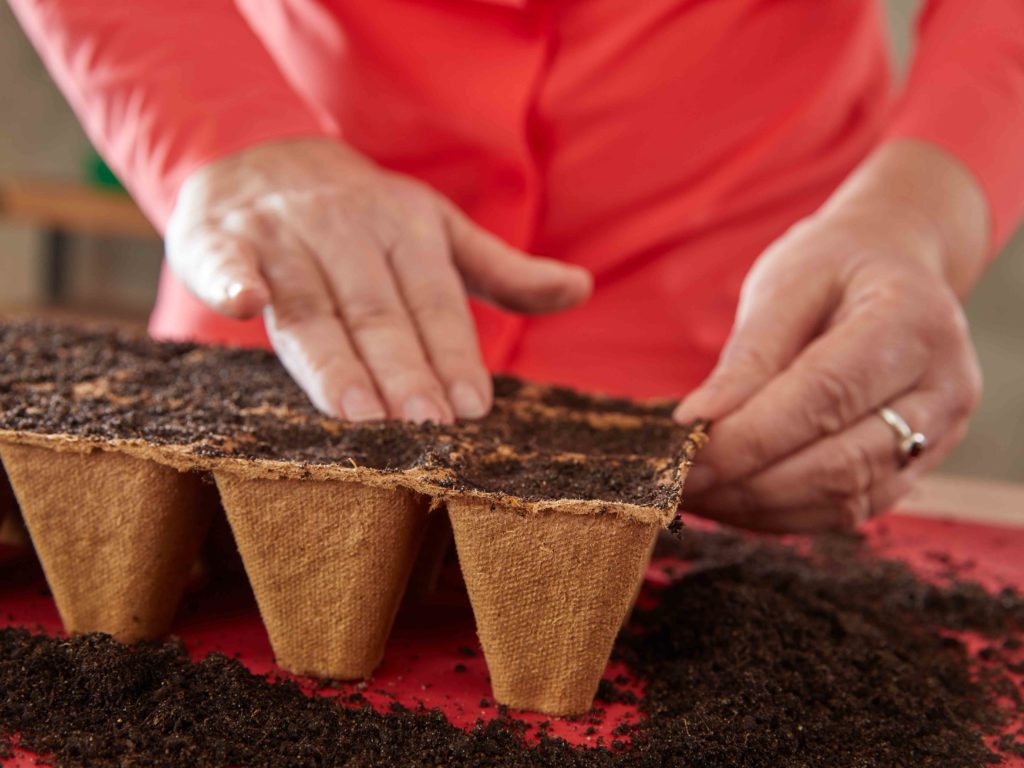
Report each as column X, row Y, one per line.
column 98, row 173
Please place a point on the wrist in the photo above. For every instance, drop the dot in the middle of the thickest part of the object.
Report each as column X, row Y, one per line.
column 928, row 199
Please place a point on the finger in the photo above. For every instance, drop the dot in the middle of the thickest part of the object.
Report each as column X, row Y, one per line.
column 221, row 269
column 740, row 507
column 436, row 299
column 310, row 339
column 842, row 480
column 839, row 378
column 745, row 511
column 498, row 273
column 778, row 314
column 368, row 301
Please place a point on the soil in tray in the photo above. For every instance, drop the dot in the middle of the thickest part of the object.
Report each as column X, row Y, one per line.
column 538, row 443
column 756, row 656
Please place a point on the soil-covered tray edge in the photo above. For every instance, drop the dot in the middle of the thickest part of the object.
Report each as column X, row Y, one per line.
column 436, row 483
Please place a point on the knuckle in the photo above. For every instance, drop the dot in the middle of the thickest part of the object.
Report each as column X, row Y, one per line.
column 757, row 447
column 836, row 402
column 958, row 319
column 414, row 196
column 433, row 304
column 965, row 399
column 296, row 309
column 846, row 472
column 961, row 393
column 419, row 230
column 747, row 358
column 943, row 320
column 247, row 222
column 823, row 421
column 942, row 331
column 973, row 385
column 370, row 311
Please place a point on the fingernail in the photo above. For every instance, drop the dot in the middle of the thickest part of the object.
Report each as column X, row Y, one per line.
column 419, row 409
column 467, row 401
column 688, row 410
column 234, row 290
column 241, row 299
column 699, row 479
column 359, row 404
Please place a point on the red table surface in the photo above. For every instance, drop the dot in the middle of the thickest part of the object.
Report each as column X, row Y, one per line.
column 429, row 640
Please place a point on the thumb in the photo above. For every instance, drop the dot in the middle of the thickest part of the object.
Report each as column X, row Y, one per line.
column 500, row 274
column 221, row 269
column 775, row 320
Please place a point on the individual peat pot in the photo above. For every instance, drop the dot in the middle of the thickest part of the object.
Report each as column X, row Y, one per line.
column 550, row 590
column 116, row 535
column 328, row 561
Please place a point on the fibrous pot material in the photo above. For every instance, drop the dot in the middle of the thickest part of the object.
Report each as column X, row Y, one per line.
column 554, row 500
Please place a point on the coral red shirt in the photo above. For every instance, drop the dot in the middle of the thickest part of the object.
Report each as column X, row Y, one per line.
column 661, row 144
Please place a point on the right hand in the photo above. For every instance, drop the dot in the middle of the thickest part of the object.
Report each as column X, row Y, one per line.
column 361, row 275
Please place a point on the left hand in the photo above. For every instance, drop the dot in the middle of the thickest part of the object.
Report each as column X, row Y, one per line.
column 848, row 312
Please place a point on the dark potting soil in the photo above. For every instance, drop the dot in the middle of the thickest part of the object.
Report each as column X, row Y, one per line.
column 104, row 385
column 759, row 656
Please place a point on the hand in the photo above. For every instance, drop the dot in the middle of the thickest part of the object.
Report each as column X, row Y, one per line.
column 361, row 275
column 851, row 310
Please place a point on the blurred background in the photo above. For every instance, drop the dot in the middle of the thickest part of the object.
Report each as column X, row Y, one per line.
column 71, row 242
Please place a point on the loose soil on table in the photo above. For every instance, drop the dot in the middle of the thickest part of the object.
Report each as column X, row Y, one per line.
column 538, row 443
column 757, row 656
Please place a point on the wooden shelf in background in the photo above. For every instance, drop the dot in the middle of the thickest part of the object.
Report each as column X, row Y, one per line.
column 128, row 318
column 72, row 207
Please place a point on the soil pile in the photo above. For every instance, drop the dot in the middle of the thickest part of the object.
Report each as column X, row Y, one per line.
column 758, row 656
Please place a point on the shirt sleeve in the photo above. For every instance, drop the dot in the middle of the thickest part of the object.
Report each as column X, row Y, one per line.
column 164, row 86
column 965, row 93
